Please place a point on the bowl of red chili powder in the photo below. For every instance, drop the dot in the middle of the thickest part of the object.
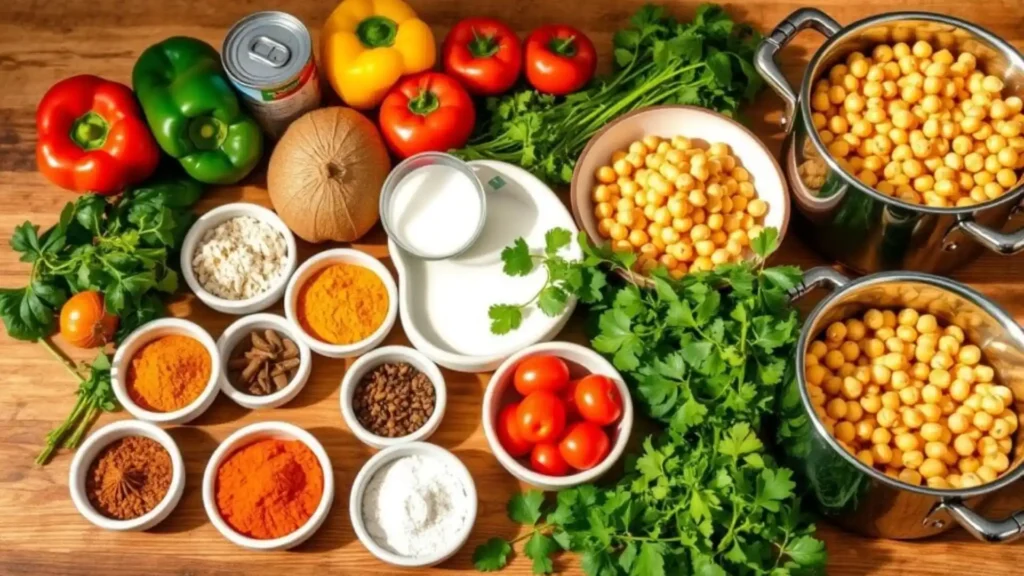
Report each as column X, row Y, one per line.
column 268, row 486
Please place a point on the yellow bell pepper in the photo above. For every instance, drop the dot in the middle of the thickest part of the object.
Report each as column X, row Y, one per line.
column 367, row 45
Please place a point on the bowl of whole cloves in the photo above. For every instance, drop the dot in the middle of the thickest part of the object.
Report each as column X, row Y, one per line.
column 264, row 364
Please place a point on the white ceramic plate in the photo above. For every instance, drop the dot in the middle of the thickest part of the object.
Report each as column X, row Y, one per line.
column 444, row 302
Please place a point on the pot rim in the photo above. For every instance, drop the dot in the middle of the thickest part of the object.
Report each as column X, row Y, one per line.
column 1010, row 197
column 988, row 306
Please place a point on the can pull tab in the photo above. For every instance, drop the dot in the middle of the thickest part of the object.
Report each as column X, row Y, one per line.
column 269, row 52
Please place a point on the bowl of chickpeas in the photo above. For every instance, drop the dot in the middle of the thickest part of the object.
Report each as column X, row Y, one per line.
column 906, row 147
column 682, row 187
column 915, row 381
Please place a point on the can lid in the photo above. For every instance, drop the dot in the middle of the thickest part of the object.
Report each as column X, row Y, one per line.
column 265, row 49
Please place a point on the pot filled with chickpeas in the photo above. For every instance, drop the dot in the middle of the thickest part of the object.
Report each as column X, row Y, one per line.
column 905, row 145
column 905, row 408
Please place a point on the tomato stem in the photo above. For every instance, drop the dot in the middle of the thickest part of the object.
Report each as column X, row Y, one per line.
column 483, row 46
column 563, row 46
column 425, row 103
column 377, row 32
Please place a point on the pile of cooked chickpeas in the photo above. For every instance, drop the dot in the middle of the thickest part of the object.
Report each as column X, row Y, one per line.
column 678, row 204
column 912, row 398
column 921, row 125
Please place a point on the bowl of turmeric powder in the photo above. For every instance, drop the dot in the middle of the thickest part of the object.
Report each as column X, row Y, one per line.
column 343, row 302
column 167, row 371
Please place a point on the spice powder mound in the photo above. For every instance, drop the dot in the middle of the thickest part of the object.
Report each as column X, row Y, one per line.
column 394, row 400
column 342, row 304
column 269, row 488
column 169, row 373
column 129, row 477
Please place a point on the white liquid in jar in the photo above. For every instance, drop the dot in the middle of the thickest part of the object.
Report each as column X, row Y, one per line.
column 435, row 210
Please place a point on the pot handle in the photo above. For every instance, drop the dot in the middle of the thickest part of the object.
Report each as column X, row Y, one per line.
column 982, row 528
column 1002, row 242
column 819, row 277
column 764, row 58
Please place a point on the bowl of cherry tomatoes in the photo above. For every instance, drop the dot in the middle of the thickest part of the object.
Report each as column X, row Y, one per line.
column 557, row 415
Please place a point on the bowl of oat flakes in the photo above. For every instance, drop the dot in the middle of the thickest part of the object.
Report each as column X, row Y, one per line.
column 238, row 258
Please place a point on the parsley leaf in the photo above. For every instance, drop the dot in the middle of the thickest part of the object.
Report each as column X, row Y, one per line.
column 650, row 561
column 806, row 551
column 538, row 548
column 556, row 239
column 517, row 258
column 504, row 318
column 492, row 555
column 552, row 300
column 525, row 507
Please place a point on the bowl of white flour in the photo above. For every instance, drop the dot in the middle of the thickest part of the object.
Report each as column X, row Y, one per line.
column 413, row 505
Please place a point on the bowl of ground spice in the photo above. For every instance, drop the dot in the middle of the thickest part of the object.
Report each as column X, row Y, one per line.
column 393, row 395
column 264, row 363
column 343, row 302
column 268, row 486
column 237, row 258
column 167, row 371
column 128, row 475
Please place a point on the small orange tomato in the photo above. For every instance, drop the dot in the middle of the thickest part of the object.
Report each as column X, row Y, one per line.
column 84, row 321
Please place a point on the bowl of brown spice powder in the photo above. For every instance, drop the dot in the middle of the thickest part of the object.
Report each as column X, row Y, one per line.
column 128, row 475
column 264, row 363
column 393, row 395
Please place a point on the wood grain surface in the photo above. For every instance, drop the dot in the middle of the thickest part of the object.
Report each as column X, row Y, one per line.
column 42, row 41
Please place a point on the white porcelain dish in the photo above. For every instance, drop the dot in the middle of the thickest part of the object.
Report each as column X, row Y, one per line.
column 243, row 437
column 445, row 302
column 582, row 361
column 341, row 256
column 367, row 472
column 92, row 447
column 242, row 328
column 371, row 360
column 216, row 217
column 144, row 335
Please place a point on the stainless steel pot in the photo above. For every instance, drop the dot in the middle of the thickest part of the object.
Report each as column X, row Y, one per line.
column 859, row 497
column 850, row 222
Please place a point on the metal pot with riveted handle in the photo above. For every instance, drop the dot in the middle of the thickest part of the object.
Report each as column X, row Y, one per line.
column 859, row 497
column 851, row 222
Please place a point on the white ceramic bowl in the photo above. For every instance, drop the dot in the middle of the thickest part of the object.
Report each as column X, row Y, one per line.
column 216, row 217
column 242, row 328
column 102, row 438
column 243, row 437
column 695, row 123
column 341, row 256
column 371, row 360
column 586, row 361
column 355, row 507
column 147, row 333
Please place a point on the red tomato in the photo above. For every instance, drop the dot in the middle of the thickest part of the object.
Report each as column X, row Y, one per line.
column 598, row 400
column 541, row 417
column 559, row 59
column 484, row 54
column 508, row 432
column 546, row 459
column 85, row 322
column 426, row 112
column 584, row 446
column 541, row 373
column 572, row 413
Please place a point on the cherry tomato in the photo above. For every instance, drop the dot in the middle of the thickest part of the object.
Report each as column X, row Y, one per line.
column 584, row 446
column 508, row 432
column 426, row 112
column 541, row 417
column 572, row 413
column 598, row 399
column 484, row 54
column 541, row 373
column 559, row 59
column 84, row 321
column 546, row 459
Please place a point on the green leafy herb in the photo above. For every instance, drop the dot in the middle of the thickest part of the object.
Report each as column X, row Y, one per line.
column 658, row 60
column 492, row 555
column 525, row 508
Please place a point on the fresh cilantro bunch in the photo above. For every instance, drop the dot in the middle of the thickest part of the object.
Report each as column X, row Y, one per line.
column 95, row 395
column 714, row 504
column 707, row 62
column 124, row 249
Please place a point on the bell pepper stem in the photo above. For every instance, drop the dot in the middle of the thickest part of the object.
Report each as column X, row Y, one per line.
column 377, row 31
column 425, row 103
column 89, row 131
column 482, row 46
column 207, row 132
column 563, row 46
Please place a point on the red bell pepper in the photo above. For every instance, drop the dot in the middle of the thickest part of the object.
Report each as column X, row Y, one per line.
column 484, row 54
column 426, row 112
column 559, row 59
column 92, row 136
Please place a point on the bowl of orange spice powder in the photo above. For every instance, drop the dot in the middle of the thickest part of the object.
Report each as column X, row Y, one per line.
column 343, row 302
column 268, row 486
column 166, row 372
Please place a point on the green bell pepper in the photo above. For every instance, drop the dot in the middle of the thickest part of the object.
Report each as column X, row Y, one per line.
column 193, row 111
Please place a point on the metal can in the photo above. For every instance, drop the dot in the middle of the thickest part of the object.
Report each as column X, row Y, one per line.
column 269, row 58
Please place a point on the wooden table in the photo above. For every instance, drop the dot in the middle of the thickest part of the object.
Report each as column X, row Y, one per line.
column 40, row 531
